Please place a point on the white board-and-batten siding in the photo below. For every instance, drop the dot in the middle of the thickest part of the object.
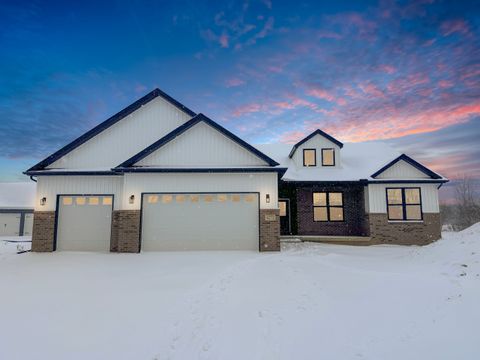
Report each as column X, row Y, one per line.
column 402, row 170
column 377, row 198
column 126, row 138
column 264, row 183
column 122, row 187
column 318, row 143
column 51, row 186
column 201, row 146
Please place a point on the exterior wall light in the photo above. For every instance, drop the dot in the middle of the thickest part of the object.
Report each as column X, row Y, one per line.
column 43, row 201
column 267, row 198
column 131, row 199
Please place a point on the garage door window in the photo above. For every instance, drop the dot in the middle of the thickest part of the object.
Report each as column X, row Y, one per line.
column 222, row 198
column 67, row 201
column 180, row 198
column 166, row 199
column 107, row 201
column 250, row 198
column 236, row 198
column 93, row 201
column 194, row 198
column 80, row 200
column 152, row 199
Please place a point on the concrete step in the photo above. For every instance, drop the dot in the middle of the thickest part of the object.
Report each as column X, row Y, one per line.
column 325, row 238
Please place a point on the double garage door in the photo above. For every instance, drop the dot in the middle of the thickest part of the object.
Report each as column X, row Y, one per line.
column 173, row 221
column 227, row 221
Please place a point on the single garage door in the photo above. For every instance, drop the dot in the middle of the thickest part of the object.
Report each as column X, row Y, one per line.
column 84, row 223
column 9, row 224
column 200, row 222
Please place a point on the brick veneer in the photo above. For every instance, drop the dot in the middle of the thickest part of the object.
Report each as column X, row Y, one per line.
column 269, row 230
column 405, row 233
column 355, row 223
column 43, row 232
column 125, row 231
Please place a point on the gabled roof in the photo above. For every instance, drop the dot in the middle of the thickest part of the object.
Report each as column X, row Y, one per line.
column 107, row 123
column 316, row 132
column 359, row 161
column 181, row 129
column 411, row 162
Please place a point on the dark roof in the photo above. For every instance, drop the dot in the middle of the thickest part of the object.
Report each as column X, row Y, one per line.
column 181, row 129
column 410, row 161
column 106, row 124
column 316, row 132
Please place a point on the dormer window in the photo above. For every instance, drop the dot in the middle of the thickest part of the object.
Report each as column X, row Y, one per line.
column 309, row 157
column 328, row 157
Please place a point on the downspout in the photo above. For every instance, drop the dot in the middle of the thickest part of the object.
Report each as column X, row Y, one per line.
column 31, row 178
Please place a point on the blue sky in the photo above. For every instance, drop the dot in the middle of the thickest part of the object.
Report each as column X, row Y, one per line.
column 404, row 72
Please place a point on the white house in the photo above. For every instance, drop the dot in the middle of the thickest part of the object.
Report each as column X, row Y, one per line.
column 157, row 176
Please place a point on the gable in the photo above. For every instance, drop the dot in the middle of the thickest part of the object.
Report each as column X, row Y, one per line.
column 125, row 138
column 402, row 170
column 317, row 142
column 201, row 146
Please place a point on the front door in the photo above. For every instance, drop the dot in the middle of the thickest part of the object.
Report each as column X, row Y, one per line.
column 284, row 206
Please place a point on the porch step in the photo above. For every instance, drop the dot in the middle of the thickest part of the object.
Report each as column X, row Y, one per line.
column 324, row 238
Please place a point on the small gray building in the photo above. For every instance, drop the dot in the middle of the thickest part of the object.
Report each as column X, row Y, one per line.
column 16, row 208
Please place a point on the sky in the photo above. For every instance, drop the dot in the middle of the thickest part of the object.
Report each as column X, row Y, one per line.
column 403, row 72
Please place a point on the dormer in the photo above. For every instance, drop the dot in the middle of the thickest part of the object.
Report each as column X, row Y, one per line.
column 317, row 150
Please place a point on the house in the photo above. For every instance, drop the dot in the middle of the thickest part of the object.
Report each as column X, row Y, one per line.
column 17, row 201
column 158, row 177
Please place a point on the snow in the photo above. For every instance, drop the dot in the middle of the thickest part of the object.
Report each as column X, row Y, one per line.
column 357, row 161
column 20, row 195
column 310, row 301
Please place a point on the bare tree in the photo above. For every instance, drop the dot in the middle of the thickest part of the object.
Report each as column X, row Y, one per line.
column 467, row 204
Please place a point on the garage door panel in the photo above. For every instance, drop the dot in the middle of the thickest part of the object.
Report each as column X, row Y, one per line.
column 200, row 222
column 9, row 224
column 84, row 223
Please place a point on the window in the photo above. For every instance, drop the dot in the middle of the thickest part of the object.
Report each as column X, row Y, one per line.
column 404, row 204
column 152, row 199
column 93, row 201
column 107, row 201
column 328, row 157
column 283, row 208
column 67, row 201
column 309, row 157
column 327, row 206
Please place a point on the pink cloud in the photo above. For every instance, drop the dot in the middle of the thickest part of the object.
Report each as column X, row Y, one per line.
column 247, row 109
column 387, row 123
column 389, row 69
column 454, row 26
column 292, row 137
column 372, row 90
column 321, row 94
column 393, row 125
column 234, row 82
column 445, row 84
column 223, row 40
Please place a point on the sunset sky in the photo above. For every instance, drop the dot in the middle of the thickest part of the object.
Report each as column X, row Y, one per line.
column 271, row 71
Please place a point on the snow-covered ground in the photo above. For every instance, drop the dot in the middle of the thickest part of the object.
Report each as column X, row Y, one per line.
column 311, row 301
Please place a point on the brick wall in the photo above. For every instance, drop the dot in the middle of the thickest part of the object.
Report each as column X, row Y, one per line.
column 355, row 222
column 43, row 233
column 125, row 231
column 405, row 233
column 269, row 230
